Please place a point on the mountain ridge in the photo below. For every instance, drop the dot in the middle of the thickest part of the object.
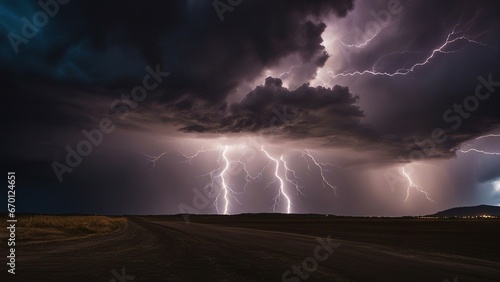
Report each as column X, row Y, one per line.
column 470, row 211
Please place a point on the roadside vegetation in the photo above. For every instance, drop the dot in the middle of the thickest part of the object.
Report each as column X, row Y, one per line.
column 48, row 227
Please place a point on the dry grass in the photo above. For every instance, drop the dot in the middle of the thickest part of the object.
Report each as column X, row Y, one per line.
column 48, row 227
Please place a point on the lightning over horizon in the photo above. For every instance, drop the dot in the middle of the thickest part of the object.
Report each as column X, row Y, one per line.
column 281, row 183
column 220, row 176
column 293, row 181
column 313, row 108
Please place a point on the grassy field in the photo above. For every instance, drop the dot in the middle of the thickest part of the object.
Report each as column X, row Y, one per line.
column 47, row 227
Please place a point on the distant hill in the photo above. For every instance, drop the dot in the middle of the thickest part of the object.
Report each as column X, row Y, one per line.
column 470, row 211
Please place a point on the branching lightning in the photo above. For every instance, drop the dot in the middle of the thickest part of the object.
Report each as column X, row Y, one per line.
column 282, row 184
column 455, row 35
column 220, row 176
column 360, row 45
column 248, row 176
column 225, row 188
column 417, row 187
column 321, row 170
column 293, row 181
column 289, row 71
column 190, row 158
column 152, row 160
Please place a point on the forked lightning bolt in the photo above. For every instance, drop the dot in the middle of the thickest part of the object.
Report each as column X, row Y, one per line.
column 225, row 188
column 294, row 181
column 281, row 183
column 417, row 187
column 321, row 170
column 219, row 183
column 190, row 158
column 453, row 36
column 360, row 45
column 218, row 178
column 248, row 176
column 152, row 160
column 289, row 71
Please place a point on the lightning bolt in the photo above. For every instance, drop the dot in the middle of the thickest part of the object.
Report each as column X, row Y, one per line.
column 289, row 71
column 321, row 170
column 282, row 183
column 413, row 185
column 152, row 160
column 453, row 36
column 360, row 45
column 303, row 155
column 220, row 176
column 218, row 179
column 487, row 136
column 225, row 188
column 482, row 151
column 294, row 181
column 479, row 151
column 248, row 176
column 190, row 158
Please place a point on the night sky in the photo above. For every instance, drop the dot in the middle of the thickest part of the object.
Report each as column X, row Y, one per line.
column 384, row 108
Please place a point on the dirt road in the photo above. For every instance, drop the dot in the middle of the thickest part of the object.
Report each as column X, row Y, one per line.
column 150, row 250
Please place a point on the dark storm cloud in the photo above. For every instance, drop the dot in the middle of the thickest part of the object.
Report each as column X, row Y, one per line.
column 102, row 48
column 63, row 79
column 108, row 48
column 106, row 42
column 406, row 109
column 404, row 38
column 329, row 116
column 306, row 112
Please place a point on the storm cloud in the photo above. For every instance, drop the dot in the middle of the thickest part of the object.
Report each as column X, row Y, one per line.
column 284, row 72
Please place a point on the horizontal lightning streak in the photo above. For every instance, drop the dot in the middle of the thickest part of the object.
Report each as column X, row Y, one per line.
column 487, row 136
column 479, row 151
column 453, row 36
column 190, row 158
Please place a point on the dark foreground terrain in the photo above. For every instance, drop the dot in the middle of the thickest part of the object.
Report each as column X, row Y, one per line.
column 270, row 248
